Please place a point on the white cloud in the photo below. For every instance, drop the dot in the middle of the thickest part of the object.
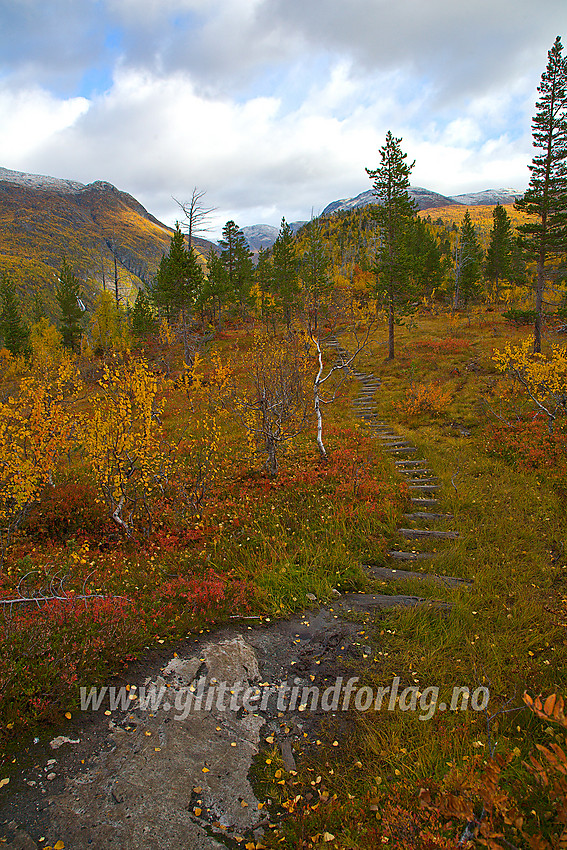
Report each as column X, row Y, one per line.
column 30, row 118
column 158, row 136
column 271, row 106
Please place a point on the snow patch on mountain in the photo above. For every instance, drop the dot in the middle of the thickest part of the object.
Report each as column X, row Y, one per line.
column 40, row 181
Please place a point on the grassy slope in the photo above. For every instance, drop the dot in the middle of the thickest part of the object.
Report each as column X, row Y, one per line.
column 507, row 632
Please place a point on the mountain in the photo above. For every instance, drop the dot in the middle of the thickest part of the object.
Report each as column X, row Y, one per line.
column 489, row 197
column 96, row 227
column 262, row 236
column 426, row 199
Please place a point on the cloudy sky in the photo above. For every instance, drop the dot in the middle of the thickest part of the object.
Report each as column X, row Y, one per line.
column 272, row 107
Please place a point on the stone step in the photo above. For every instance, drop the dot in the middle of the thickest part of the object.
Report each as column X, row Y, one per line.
column 412, row 481
column 410, row 556
column 410, row 462
column 403, row 450
column 423, row 503
column 422, row 533
column 392, row 443
column 362, row 602
column 388, row 574
column 428, row 517
column 425, row 487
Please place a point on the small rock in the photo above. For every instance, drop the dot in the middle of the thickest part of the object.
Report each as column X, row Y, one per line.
column 335, row 593
column 311, row 597
column 58, row 742
column 51, row 776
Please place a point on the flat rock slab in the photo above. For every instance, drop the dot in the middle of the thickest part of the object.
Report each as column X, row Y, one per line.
column 387, row 574
column 420, row 516
column 410, row 463
column 410, row 556
column 427, row 533
column 370, row 602
column 175, row 774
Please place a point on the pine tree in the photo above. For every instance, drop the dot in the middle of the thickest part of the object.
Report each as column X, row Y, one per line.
column 498, row 264
column 237, row 260
column 264, row 280
column 285, row 266
column 216, row 287
column 68, row 298
column 179, row 283
column 546, row 197
column 143, row 321
column 15, row 335
column 468, row 263
column 395, row 209
column 314, row 272
column 425, row 259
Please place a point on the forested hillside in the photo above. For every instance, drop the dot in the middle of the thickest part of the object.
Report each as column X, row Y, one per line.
column 103, row 233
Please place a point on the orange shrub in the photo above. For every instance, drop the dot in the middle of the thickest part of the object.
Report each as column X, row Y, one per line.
column 425, row 398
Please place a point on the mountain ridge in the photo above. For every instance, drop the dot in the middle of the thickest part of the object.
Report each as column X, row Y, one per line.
column 99, row 229
column 428, row 199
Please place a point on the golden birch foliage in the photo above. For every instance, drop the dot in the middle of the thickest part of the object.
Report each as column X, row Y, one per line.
column 203, row 449
column 108, row 327
column 166, row 333
column 46, row 343
column 544, row 377
column 35, row 427
column 123, row 440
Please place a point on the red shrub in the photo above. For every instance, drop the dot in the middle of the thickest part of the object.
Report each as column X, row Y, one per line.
column 66, row 510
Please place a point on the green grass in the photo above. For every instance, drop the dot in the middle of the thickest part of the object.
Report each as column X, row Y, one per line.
column 507, row 631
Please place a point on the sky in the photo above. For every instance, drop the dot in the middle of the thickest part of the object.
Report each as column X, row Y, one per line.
column 271, row 107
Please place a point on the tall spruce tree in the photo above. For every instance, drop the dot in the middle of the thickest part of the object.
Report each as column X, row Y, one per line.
column 468, row 264
column 237, row 260
column 395, row 209
column 285, row 268
column 180, row 281
column 314, row 272
column 426, row 262
column 264, row 280
column 216, row 289
column 498, row 263
column 68, row 295
column 546, row 197
column 15, row 334
column 143, row 321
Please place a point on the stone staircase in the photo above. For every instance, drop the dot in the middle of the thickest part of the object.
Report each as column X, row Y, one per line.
column 425, row 492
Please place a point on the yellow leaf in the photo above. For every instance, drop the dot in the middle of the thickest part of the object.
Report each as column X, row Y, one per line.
column 197, row 812
column 328, row 836
column 59, row 846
